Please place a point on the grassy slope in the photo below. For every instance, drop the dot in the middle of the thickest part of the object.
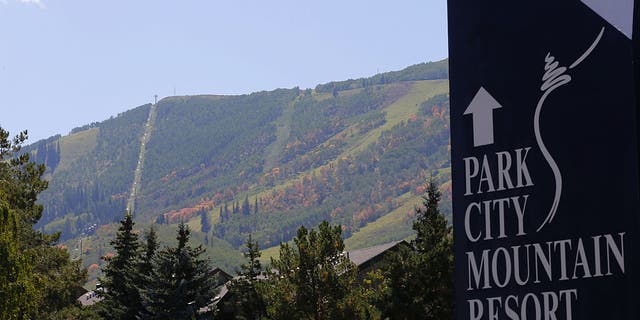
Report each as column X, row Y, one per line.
column 283, row 129
column 394, row 225
column 400, row 111
column 390, row 227
column 75, row 146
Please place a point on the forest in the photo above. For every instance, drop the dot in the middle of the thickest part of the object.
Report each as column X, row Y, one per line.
column 263, row 164
column 311, row 278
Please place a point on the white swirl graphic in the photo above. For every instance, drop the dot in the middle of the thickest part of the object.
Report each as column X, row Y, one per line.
column 553, row 78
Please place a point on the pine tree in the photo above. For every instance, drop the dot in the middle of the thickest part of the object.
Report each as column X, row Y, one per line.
column 434, row 244
column 244, row 289
column 145, row 274
column 18, row 295
column 205, row 222
column 145, row 265
column 121, row 296
column 311, row 280
column 236, row 207
column 30, row 257
column 255, row 206
column 183, row 282
column 246, row 207
column 420, row 281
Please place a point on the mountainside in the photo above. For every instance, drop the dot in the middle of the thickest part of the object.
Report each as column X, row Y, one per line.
column 354, row 152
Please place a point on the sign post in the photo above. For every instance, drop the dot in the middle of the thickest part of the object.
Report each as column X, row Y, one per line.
column 544, row 137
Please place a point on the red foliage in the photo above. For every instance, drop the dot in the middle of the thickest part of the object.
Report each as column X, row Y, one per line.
column 187, row 213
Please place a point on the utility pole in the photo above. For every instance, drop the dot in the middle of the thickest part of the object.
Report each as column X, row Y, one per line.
column 155, row 99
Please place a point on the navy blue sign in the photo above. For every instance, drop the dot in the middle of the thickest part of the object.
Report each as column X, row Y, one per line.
column 544, row 137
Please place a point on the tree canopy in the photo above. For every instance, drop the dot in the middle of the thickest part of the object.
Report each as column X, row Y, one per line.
column 37, row 279
column 183, row 281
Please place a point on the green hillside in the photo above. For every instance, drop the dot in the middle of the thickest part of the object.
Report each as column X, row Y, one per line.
column 354, row 152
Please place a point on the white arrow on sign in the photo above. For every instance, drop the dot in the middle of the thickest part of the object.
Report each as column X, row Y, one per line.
column 481, row 107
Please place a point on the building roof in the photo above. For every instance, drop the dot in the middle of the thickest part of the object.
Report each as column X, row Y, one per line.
column 362, row 256
column 219, row 272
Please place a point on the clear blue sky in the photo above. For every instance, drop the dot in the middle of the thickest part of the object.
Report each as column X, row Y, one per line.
column 64, row 64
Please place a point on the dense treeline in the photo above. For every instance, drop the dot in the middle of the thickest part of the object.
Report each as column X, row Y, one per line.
column 313, row 278
column 422, row 71
column 91, row 188
column 142, row 281
column 222, row 142
column 46, row 151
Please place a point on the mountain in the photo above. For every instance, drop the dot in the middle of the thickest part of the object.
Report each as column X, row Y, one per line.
column 354, row 152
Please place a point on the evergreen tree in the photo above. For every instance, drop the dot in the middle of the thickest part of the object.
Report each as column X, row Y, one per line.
column 67, row 231
column 313, row 279
column 244, row 289
column 28, row 258
column 145, row 266
column 145, row 274
column 183, row 282
column 400, row 295
column 420, row 281
column 64, row 280
column 434, row 244
column 18, row 296
column 246, row 207
column 205, row 221
column 121, row 296
column 255, row 206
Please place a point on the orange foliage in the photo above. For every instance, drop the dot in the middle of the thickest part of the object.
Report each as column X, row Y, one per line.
column 175, row 216
column 166, row 178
